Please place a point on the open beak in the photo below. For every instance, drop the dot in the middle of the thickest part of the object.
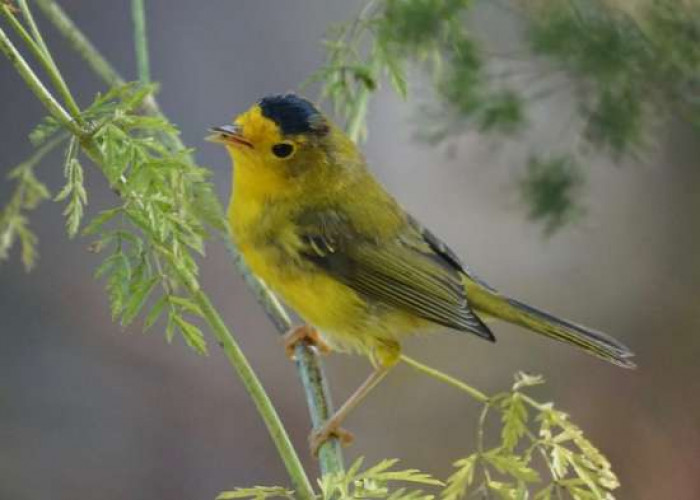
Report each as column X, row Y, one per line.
column 228, row 134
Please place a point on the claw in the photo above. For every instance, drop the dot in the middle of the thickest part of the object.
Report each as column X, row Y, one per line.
column 328, row 431
column 307, row 334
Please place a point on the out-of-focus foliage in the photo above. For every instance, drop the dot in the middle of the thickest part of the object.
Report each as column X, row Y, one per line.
column 550, row 187
column 628, row 65
column 389, row 35
column 539, row 454
column 29, row 192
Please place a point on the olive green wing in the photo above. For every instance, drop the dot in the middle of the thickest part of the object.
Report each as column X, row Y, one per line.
column 407, row 271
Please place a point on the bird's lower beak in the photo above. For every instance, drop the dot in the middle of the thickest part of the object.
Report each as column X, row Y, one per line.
column 229, row 135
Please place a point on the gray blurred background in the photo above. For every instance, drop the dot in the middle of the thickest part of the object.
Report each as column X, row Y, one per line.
column 88, row 410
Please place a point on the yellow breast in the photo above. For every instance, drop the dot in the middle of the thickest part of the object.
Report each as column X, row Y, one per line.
column 348, row 322
column 270, row 248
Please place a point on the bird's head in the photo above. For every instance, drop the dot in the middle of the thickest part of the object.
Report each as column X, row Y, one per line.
column 278, row 140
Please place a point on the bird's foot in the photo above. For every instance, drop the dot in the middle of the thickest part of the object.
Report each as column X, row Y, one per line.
column 329, row 430
column 306, row 333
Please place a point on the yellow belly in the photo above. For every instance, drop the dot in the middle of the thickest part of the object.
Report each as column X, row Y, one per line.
column 270, row 246
column 346, row 320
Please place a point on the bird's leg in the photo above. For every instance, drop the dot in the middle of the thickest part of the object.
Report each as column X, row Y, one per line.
column 385, row 356
column 331, row 428
column 305, row 333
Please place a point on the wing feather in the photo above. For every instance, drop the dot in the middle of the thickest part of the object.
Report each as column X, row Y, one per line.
column 405, row 271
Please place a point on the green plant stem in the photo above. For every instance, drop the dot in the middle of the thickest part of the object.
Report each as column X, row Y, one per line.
column 80, row 42
column 231, row 348
column 482, row 427
column 29, row 18
column 82, row 45
column 537, row 406
column 448, row 379
column 302, row 486
column 309, row 366
column 36, row 86
column 239, row 362
column 356, row 121
column 138, row 14
column 48, row 61
column 310, row 369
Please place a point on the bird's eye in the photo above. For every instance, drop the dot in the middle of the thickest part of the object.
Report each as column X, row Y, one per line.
column 282, row 149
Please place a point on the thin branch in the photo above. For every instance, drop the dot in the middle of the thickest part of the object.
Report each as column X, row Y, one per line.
column 309, row 366
column 138, row 14
column 46, row 59
column 233, row 352
column 84, row 47
column 80, row 43
column 36, row 86
column 237, row 359
column 448, row 379
column 33, row 28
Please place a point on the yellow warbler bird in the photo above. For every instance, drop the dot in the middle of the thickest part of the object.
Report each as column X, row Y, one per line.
column 314, row 224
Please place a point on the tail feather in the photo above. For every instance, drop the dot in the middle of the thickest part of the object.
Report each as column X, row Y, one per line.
column 486, row 300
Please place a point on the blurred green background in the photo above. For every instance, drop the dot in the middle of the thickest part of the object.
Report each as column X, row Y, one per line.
column 89, row 410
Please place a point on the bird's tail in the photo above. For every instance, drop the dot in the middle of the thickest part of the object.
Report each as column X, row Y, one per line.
column 483, row 299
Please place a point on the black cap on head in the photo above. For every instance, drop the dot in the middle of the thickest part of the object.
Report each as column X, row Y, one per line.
column 293, row 114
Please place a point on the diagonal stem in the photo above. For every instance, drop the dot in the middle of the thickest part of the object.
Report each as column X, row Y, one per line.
column 262, row 401
column 84, row 47
column 33, row 82
column 80, row 42
column 309, row 365
column 448, row 379
column 233, row 352
column 47, row 60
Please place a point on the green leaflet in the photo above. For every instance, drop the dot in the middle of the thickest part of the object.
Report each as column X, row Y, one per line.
column 167, row 209
column 256, row 493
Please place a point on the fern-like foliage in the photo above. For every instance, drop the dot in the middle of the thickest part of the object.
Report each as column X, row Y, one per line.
column 256, row 493
column 538, row 453
column 377, row 481
column 627, row 66
column 153, row 235
column 550, row 188
column 389, row 36
column 536, row 441
column 380, row 481
column 29, row 192
column 166, row 207
column 74, row 189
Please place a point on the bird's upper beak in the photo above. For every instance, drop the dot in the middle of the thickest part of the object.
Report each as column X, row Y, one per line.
column 229, row 135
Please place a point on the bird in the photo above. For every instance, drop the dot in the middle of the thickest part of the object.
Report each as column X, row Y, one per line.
column 314, row 225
